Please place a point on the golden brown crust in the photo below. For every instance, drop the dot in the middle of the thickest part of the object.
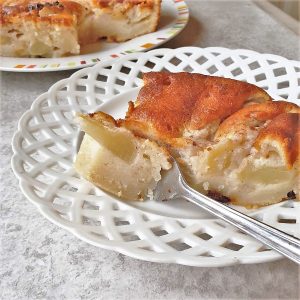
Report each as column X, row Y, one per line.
column 170, row 103
column 61, row 12
column 100, row 117
column 285, row 130
column 253, row 116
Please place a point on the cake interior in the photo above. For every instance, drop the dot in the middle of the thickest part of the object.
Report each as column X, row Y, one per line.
column 114, row 159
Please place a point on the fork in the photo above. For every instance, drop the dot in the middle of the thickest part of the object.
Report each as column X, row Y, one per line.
column 173, row 185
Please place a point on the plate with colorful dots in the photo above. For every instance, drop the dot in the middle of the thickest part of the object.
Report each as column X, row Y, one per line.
column 174, row 17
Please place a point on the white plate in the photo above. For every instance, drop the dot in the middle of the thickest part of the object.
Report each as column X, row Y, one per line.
column 174, row 17
column 45, row 144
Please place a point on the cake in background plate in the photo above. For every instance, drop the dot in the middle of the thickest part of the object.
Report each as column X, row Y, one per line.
column 50, row 28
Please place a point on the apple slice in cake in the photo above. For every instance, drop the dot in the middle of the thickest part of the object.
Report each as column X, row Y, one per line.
column 116, row 160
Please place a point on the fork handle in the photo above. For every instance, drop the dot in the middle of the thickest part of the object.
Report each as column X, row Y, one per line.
column 280, row 241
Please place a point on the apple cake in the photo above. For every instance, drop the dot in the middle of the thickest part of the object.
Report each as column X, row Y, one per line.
column 51, row 28
column 232, row 141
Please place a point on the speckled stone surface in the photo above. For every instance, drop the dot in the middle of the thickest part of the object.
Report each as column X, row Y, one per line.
column 39, row 260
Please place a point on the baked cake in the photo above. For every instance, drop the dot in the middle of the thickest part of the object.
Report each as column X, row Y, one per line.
column 233, row 142
column 51, row 28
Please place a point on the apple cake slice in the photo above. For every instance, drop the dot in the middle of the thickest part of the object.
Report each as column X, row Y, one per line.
column 232, row 141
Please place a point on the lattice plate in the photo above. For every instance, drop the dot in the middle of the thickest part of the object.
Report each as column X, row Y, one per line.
column 44, row 147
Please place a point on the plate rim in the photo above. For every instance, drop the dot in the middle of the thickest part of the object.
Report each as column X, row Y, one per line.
column 180, row 5
column 263, row 257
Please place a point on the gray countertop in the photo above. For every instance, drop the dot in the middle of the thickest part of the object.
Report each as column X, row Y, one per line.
column 39, row 260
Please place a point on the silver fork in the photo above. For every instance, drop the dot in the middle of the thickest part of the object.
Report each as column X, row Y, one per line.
column 173, row 185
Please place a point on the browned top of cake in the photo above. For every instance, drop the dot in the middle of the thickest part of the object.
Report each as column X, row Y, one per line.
column 62, row 12
column 284, row 130
column 253, row 116
column 170, row 103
